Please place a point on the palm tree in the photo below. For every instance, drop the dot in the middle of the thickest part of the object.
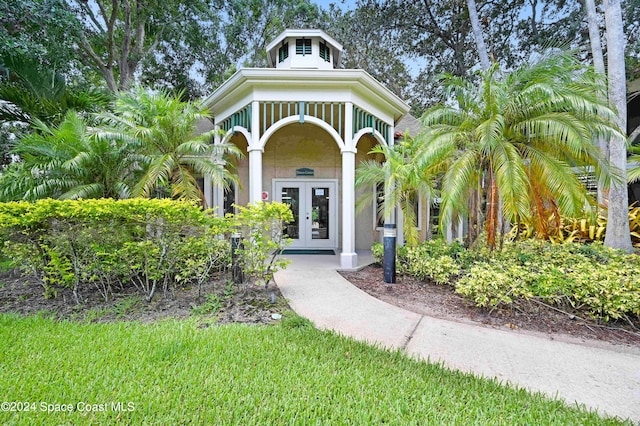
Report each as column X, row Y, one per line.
column 31, row 91
column 166, row 128
column 411, row 181
column 519, row 138
column 68, row 162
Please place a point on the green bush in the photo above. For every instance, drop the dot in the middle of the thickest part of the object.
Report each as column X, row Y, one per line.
column 402, row 261
column 433, row 259
column 591, row 279
column 262, row 228
column 152, row 244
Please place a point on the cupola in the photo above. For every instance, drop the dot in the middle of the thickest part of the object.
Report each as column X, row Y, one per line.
column 312, row 49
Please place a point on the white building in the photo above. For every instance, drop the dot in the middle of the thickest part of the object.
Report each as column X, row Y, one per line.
column 304, row 125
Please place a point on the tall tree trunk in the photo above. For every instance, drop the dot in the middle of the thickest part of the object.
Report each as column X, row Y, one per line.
column 618, row 235
column 492, row 212
column 483, row 53
column 477, row 34
column 598, row 64
column 472, row 220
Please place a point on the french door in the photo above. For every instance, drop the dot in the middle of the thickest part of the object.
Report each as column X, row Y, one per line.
column 314, row 207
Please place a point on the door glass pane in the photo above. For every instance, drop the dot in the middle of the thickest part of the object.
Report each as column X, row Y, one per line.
column 291, row 196
column 320, row 213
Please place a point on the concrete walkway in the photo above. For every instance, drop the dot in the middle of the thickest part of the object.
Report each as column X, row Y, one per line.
column 603, row 377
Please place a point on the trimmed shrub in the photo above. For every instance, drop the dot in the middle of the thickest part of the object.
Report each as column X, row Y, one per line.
column 262, row 228
column 152, row 244
column 592, row 279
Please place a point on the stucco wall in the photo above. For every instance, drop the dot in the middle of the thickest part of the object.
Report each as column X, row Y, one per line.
column 305, row 145
column 366, row 232
column 300, row 145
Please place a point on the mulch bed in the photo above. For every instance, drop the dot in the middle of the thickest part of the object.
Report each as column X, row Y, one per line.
column 244, row 304
column 441, row 301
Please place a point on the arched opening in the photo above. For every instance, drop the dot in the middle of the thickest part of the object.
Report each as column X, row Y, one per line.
column 240, row 193
column 368, row 224
column 302, row 167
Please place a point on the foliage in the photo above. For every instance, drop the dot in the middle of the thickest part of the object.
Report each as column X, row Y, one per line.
column 583, row 230
column 68, row 162
column 251, row 24
column 151, row 244
column 211, row 305
column 165, row 129
column 262, row 228
column 434, row 259
column 40, row 30
column 406, row 180
column 518, row 137
column 184, row 46
column 583, row 279
column 381, row 59
column 35, row 91
column 594, row 279
column 633, row 174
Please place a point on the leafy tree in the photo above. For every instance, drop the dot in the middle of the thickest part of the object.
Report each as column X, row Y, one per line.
column 373, row 47
column 165, row 127
column 68, row 162
column 115, row 36
column 250, row 24
column 32, row 91
column 519, row 136
column 409, row 180
column 40, row 30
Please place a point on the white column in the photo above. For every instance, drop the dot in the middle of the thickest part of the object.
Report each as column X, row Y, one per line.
column 449, row 232
column 255, row 175
column 208, row 185
column 215, row 200
column 348, row 257
column 255, row 156
column 208, row 192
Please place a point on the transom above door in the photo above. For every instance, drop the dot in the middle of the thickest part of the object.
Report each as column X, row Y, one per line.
column 314, row 207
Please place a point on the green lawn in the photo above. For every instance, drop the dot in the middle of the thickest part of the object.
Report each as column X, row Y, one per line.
column 178, row 373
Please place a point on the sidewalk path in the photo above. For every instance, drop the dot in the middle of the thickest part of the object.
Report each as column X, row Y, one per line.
column 601, row 376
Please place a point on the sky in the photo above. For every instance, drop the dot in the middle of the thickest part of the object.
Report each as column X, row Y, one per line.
column 343, row 4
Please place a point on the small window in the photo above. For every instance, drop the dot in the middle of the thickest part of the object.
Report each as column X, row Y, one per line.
column 229, row 199
column 378, row 212
column 378, row 206
column 434, row 216
column 303, row 46
column 283, row 52
column 325, row 53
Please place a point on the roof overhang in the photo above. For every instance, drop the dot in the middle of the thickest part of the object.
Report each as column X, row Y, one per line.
column 268, row 84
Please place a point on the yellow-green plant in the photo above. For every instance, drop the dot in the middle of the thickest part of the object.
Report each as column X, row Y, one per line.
column 262, row 228
column 108, row 244
column 568, row 230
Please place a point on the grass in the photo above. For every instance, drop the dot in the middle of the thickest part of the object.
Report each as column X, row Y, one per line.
column 174, row 372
